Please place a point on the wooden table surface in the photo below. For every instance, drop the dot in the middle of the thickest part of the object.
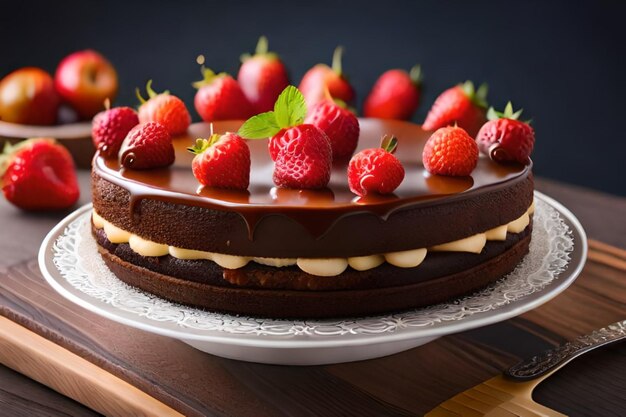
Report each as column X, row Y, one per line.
column 408, row 383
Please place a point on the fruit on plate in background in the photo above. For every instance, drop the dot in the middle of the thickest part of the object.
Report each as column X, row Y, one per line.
column 164, row 108
column 219, row 97
column 395, row 94
column 222, row 161
column 262, row 77
column 301, row 152
column 110, row 127
column 147, row 145
column 340, row 125
column 38, row 174
column 504, row 138
column 27, row 96
column 85, row 79
column 322, row 77
column 450, row 151
column 376, row 170
column 461, row 104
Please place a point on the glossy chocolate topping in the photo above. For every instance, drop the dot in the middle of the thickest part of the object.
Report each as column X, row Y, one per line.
column 315, row 210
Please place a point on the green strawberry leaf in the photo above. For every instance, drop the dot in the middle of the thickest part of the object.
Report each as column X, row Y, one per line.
column 290, row 108
column 389, row 143
column 261, row 126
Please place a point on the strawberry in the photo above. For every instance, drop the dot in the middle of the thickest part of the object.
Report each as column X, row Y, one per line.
column 147, row 145
column 395, row 95
column 262, row 77
column 461, row 105
column 222, row 161
column 219, row 97
column 38, row 174
column 306, row 161
column 322, row 77
column 302, row 152
column 110, row 127
column 450, row 151
column 504, row 138
column 376, row 170
column 340, row 125
column 164, row 108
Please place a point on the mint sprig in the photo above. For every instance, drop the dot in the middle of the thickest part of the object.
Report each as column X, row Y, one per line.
column 289, row 110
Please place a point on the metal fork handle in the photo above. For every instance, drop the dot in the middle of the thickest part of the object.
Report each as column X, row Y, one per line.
column 553, row 359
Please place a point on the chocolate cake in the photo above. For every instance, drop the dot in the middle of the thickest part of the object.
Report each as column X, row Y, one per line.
column 292, row 253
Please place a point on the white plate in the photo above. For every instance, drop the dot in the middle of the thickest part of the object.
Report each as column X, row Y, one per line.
column 70, row 263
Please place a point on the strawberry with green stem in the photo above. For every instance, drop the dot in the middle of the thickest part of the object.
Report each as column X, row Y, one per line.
column 376, row 170
column 164, row 108
column 321, row 77
column 262, row 77
column 504, row 138
column 461, row 104
column 221, row 161
column 302, row 152
column 219, row 97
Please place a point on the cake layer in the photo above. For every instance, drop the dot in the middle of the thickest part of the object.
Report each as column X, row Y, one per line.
column 166, row 206
column 254, row 275
column 384, row 290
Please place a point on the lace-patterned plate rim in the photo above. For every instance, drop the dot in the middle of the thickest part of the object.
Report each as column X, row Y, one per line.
column 565, row 256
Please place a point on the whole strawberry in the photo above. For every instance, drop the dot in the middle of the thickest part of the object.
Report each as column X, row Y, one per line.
column 164, row 108
column 38, row 174
column 340, row 125
column 222, row 161
column 147, row 145
column 395, row 95
column 376, row 170
column 110, row 127
column 306, row 161
column 262, row 77
column 302, row 152
column 321, row 77
column 450, row 151
column 504, row 138
column 460, row 104
column 219, row 97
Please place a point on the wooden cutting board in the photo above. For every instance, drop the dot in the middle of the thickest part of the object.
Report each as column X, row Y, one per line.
column 121, row 371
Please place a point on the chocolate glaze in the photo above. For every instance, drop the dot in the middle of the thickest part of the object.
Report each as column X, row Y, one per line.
column 168, row 206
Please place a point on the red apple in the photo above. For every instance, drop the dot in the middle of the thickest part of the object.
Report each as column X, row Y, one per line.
column 27, row 96
column 85, row 79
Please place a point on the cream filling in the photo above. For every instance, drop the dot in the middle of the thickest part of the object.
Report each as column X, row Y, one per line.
column 325, row 267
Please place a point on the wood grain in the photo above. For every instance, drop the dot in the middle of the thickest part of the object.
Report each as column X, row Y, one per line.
column 409, row 383
column 72, row 375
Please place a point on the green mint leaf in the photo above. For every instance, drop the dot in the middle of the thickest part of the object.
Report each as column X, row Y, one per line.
column 290, row 107
column 260, row 126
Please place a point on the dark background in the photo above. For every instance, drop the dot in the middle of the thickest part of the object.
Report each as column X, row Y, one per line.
column 562, row 62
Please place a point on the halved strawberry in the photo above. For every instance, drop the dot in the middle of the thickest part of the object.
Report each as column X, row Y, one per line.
column 219, row 97
column 164, row 108
column 302, row 152
column 38, row 174
column 504, row 138
column 147, row 145
column 460, row 104
column 262, row 77
column 222, row 161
